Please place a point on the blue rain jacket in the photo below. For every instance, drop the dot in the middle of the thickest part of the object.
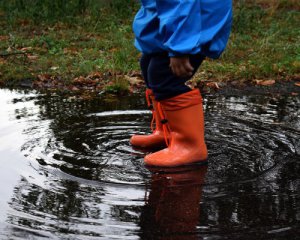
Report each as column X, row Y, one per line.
column 183, row 27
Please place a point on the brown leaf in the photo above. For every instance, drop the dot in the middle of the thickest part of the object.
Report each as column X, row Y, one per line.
column 136, row 74
column 24, row 22
column 133, row 80
column 94, row 75
column 84, row 81
column 25, row 49
column 44, row 77
column 2, row 61
column 73, row 88
column 191, row 84
column 70, row 51
column 79, row 79
column 3, row 38
column 32, row 57
column 265, row 82
column 112, row 50
column 213, row 85
column 297, row 84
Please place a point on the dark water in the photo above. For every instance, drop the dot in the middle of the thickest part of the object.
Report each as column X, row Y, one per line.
column 68, row 171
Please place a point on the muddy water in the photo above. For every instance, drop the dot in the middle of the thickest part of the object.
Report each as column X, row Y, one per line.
column 68, row 171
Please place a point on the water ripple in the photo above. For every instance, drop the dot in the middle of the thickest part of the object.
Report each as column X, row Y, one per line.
column 86, row 181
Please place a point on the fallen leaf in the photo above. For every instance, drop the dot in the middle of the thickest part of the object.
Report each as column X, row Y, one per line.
column 94, row 75
column 84, row 81
column 294, row 94
column 112, row 50
column 136, row 74
column 297, row 84
column 44, row 77
column 2, row 61
column 133, row 80
column 32, row 57
column 54, row 68
column 70, row 51
column 214, row 85
column 3, row 38
column 191, row 84
column 24, row 49
column 265, row 82
column 73, row 88
column 24, row 22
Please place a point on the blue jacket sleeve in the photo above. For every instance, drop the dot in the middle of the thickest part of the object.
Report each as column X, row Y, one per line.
column 146, row 27
column 180, row 25
column 194, row 26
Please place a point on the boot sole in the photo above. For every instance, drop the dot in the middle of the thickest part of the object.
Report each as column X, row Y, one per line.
column 176, row 169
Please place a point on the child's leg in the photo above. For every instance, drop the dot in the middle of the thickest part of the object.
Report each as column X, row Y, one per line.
column 161, row 79
column 144, row 64
column 156, row 138
column 181, row 112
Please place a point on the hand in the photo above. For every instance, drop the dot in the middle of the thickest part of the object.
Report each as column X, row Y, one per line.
column 181, row 66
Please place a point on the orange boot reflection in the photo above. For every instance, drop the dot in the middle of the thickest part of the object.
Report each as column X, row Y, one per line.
column 173, row 205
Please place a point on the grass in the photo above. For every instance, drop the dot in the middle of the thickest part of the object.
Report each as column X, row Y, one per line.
column 64, row 40
column 265, row 43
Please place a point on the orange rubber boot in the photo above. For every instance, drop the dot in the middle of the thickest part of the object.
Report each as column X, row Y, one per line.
column 183, row 121
column 156, row 139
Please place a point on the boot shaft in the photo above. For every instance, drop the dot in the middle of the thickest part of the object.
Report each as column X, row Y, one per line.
column 183, row 124
column 185, row 117
column 153, row 106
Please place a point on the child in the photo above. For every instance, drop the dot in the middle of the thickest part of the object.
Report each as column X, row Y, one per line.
column 175, row 36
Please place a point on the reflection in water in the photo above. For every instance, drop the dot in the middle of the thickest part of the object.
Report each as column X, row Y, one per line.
column 173, row 205
column 71, row 173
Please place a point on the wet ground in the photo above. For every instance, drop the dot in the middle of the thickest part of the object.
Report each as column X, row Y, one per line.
column 68, row 171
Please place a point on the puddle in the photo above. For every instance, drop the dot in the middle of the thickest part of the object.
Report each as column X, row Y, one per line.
column 69, row 172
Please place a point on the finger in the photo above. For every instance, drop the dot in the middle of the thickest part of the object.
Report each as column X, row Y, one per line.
column 175, row 65
column 188, row 67
column 181, row 69
column 187, row 73
column 182, row 72
column 173, row 69
column 177, row 71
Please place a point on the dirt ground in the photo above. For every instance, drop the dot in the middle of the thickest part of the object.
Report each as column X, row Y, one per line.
column 288, row 87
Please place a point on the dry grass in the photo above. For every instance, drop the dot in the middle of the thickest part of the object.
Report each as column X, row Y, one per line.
column 274, row 5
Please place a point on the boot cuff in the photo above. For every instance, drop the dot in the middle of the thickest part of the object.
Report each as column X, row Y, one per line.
column 181, row 101
column 149, row 92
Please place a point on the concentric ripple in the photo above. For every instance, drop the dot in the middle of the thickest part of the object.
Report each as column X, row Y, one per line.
column 86, row 181
column 245, row 139
column 246, row 136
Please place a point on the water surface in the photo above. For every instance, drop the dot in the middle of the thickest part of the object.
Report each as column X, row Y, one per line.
column 69, row 172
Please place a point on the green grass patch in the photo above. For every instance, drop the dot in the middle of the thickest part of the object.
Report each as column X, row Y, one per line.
column 69, row 39
column 265, row 43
